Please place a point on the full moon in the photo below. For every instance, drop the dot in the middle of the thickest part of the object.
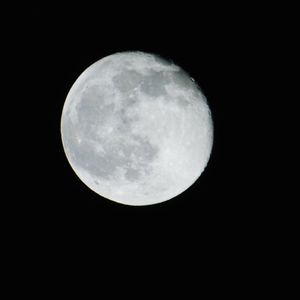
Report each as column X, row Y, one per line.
column 136, row 128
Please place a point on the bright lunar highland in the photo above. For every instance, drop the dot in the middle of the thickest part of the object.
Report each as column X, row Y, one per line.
column 136, row 128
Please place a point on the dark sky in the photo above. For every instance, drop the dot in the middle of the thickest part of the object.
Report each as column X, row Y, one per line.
column 210, row 223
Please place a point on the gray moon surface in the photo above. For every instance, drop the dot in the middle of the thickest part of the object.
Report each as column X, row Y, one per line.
column 136, row 128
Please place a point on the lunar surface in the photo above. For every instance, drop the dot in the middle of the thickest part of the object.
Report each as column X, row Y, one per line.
column 136, row 128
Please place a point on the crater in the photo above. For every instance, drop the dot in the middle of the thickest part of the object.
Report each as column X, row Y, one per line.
column 183, row 80
column 154, row 84
column 92, row 110
column 131, row 153
column 182, row 101
column 127, row 80
column 132, row 174
column 127, row 116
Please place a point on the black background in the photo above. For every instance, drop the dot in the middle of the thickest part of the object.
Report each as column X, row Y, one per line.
column 213, row 227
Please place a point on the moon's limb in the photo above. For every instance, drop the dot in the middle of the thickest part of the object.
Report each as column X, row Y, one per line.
column 136, row 129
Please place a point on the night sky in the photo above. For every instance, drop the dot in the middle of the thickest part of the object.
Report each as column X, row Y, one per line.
column 212, row 222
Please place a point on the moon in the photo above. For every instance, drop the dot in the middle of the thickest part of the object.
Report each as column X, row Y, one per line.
column 136, row 128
